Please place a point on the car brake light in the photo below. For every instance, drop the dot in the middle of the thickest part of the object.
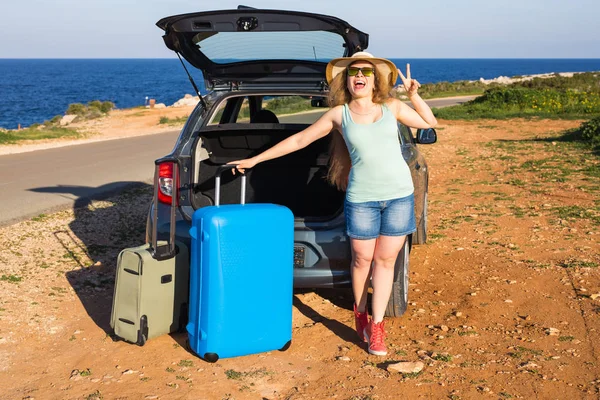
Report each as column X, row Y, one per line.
column 165, row 184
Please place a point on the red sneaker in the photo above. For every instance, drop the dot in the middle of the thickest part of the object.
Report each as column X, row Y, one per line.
column 375, row 335
column 361, row 320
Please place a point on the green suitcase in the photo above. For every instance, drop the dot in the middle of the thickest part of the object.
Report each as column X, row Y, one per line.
column 151, row 286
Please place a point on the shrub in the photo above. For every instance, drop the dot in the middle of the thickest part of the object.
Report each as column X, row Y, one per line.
column 93, row 112
column 77, row 109
column 107, row 106
column 95, row 104
column 94, row 109
column 56, row 119
column 590, row 131
column 513, row 101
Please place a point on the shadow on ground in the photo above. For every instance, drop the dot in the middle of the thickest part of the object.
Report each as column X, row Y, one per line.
column 99, row 231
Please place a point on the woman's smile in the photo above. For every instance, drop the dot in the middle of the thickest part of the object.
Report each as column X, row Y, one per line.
column 360, row 83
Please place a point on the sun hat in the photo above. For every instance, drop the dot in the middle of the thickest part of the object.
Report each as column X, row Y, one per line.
column 386, row 67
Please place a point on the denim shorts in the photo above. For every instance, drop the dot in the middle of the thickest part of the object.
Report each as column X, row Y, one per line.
column 371, row 219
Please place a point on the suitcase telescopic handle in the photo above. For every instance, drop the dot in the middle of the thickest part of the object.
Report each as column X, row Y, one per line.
column 220, row 170
column 168, row 251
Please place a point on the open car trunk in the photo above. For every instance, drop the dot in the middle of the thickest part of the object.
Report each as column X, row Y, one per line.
column 297, row 181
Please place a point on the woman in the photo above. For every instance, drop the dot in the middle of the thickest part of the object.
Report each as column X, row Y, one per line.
column 366, row 161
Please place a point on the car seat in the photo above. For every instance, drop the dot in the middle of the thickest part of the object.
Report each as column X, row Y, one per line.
column 264, row 116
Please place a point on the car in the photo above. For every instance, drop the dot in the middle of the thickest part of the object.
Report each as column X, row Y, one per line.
column 264, row 71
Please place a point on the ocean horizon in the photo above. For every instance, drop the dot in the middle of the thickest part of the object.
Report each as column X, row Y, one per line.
column 33, row 90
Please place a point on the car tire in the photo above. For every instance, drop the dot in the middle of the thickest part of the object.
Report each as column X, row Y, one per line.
column 399, row 297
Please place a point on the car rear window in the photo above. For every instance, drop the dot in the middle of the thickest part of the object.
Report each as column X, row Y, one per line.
column 227, row 47
column 284, row 109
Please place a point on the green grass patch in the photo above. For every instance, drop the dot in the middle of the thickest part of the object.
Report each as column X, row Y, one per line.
column 37, row 133
column 572, row 263
column 11, row 278
column 172, row 121
column 233, row 374
column 93, row 396
column 236, row 375
column 39, row 218
column 577, row 212
column 520, row 351
column 442, row 357
column 186, row 363
column 412, row 375
column 519, row 102
column 566, row 338
column 288, row 105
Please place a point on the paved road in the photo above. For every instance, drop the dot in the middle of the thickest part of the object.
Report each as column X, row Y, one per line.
column 47, row 180
column 450, row 101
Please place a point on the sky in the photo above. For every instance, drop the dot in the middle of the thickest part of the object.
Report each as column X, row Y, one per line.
column 407, row 29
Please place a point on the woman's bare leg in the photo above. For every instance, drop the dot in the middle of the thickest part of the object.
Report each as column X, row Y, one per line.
column 362, row 256
column 384, row 259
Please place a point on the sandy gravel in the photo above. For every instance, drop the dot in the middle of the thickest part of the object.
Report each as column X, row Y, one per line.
column 118, row 124
column 504, row 298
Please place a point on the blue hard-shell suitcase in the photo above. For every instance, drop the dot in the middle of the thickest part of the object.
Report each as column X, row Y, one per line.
column 241, row 278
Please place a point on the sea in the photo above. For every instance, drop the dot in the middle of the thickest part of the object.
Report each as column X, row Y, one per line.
column 35, row 90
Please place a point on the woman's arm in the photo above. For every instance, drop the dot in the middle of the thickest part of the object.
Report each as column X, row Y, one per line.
column 421, row 116
column 298, row 141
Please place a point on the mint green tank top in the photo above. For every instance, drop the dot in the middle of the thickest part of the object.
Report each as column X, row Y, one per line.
column 378, row 172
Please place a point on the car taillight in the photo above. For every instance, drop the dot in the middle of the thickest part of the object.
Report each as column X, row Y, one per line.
column 166, row 190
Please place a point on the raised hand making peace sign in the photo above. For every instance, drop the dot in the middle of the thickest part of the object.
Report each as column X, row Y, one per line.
column 410, row 85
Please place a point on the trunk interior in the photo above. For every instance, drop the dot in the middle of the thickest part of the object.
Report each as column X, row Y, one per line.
column 297, row 180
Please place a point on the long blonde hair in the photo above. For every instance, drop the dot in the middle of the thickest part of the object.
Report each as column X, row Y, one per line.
column 339, row 158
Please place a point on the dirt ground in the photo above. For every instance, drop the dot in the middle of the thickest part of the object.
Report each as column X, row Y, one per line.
column 504, row 297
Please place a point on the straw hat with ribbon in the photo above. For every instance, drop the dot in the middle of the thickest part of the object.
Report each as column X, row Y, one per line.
column 386, row 67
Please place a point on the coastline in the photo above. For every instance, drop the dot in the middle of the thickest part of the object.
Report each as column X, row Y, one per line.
column 118, row 124
column 130, row 122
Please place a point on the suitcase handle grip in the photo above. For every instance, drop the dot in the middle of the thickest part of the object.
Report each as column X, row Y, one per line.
column 220, row 170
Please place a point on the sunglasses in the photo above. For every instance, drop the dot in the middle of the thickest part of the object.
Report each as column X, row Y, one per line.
column 366, row 71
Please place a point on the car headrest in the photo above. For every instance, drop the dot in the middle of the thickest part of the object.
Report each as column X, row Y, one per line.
column 264, row 116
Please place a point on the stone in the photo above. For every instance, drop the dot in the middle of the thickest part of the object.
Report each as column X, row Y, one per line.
column 75, row 375
column 343, row 358
column 529, row 365
column 595, row 296
column 129, row 372
column 552, row 331
column 67, row 119
column 406, row 367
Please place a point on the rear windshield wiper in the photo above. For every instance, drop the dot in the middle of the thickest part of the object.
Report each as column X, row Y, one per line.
column 192, row 82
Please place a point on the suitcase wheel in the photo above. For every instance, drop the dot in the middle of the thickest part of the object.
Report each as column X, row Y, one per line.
column 211, row 357
column 143, row 331
column 286, row 346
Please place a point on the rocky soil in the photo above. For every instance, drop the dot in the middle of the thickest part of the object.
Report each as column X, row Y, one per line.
column 504, row 297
